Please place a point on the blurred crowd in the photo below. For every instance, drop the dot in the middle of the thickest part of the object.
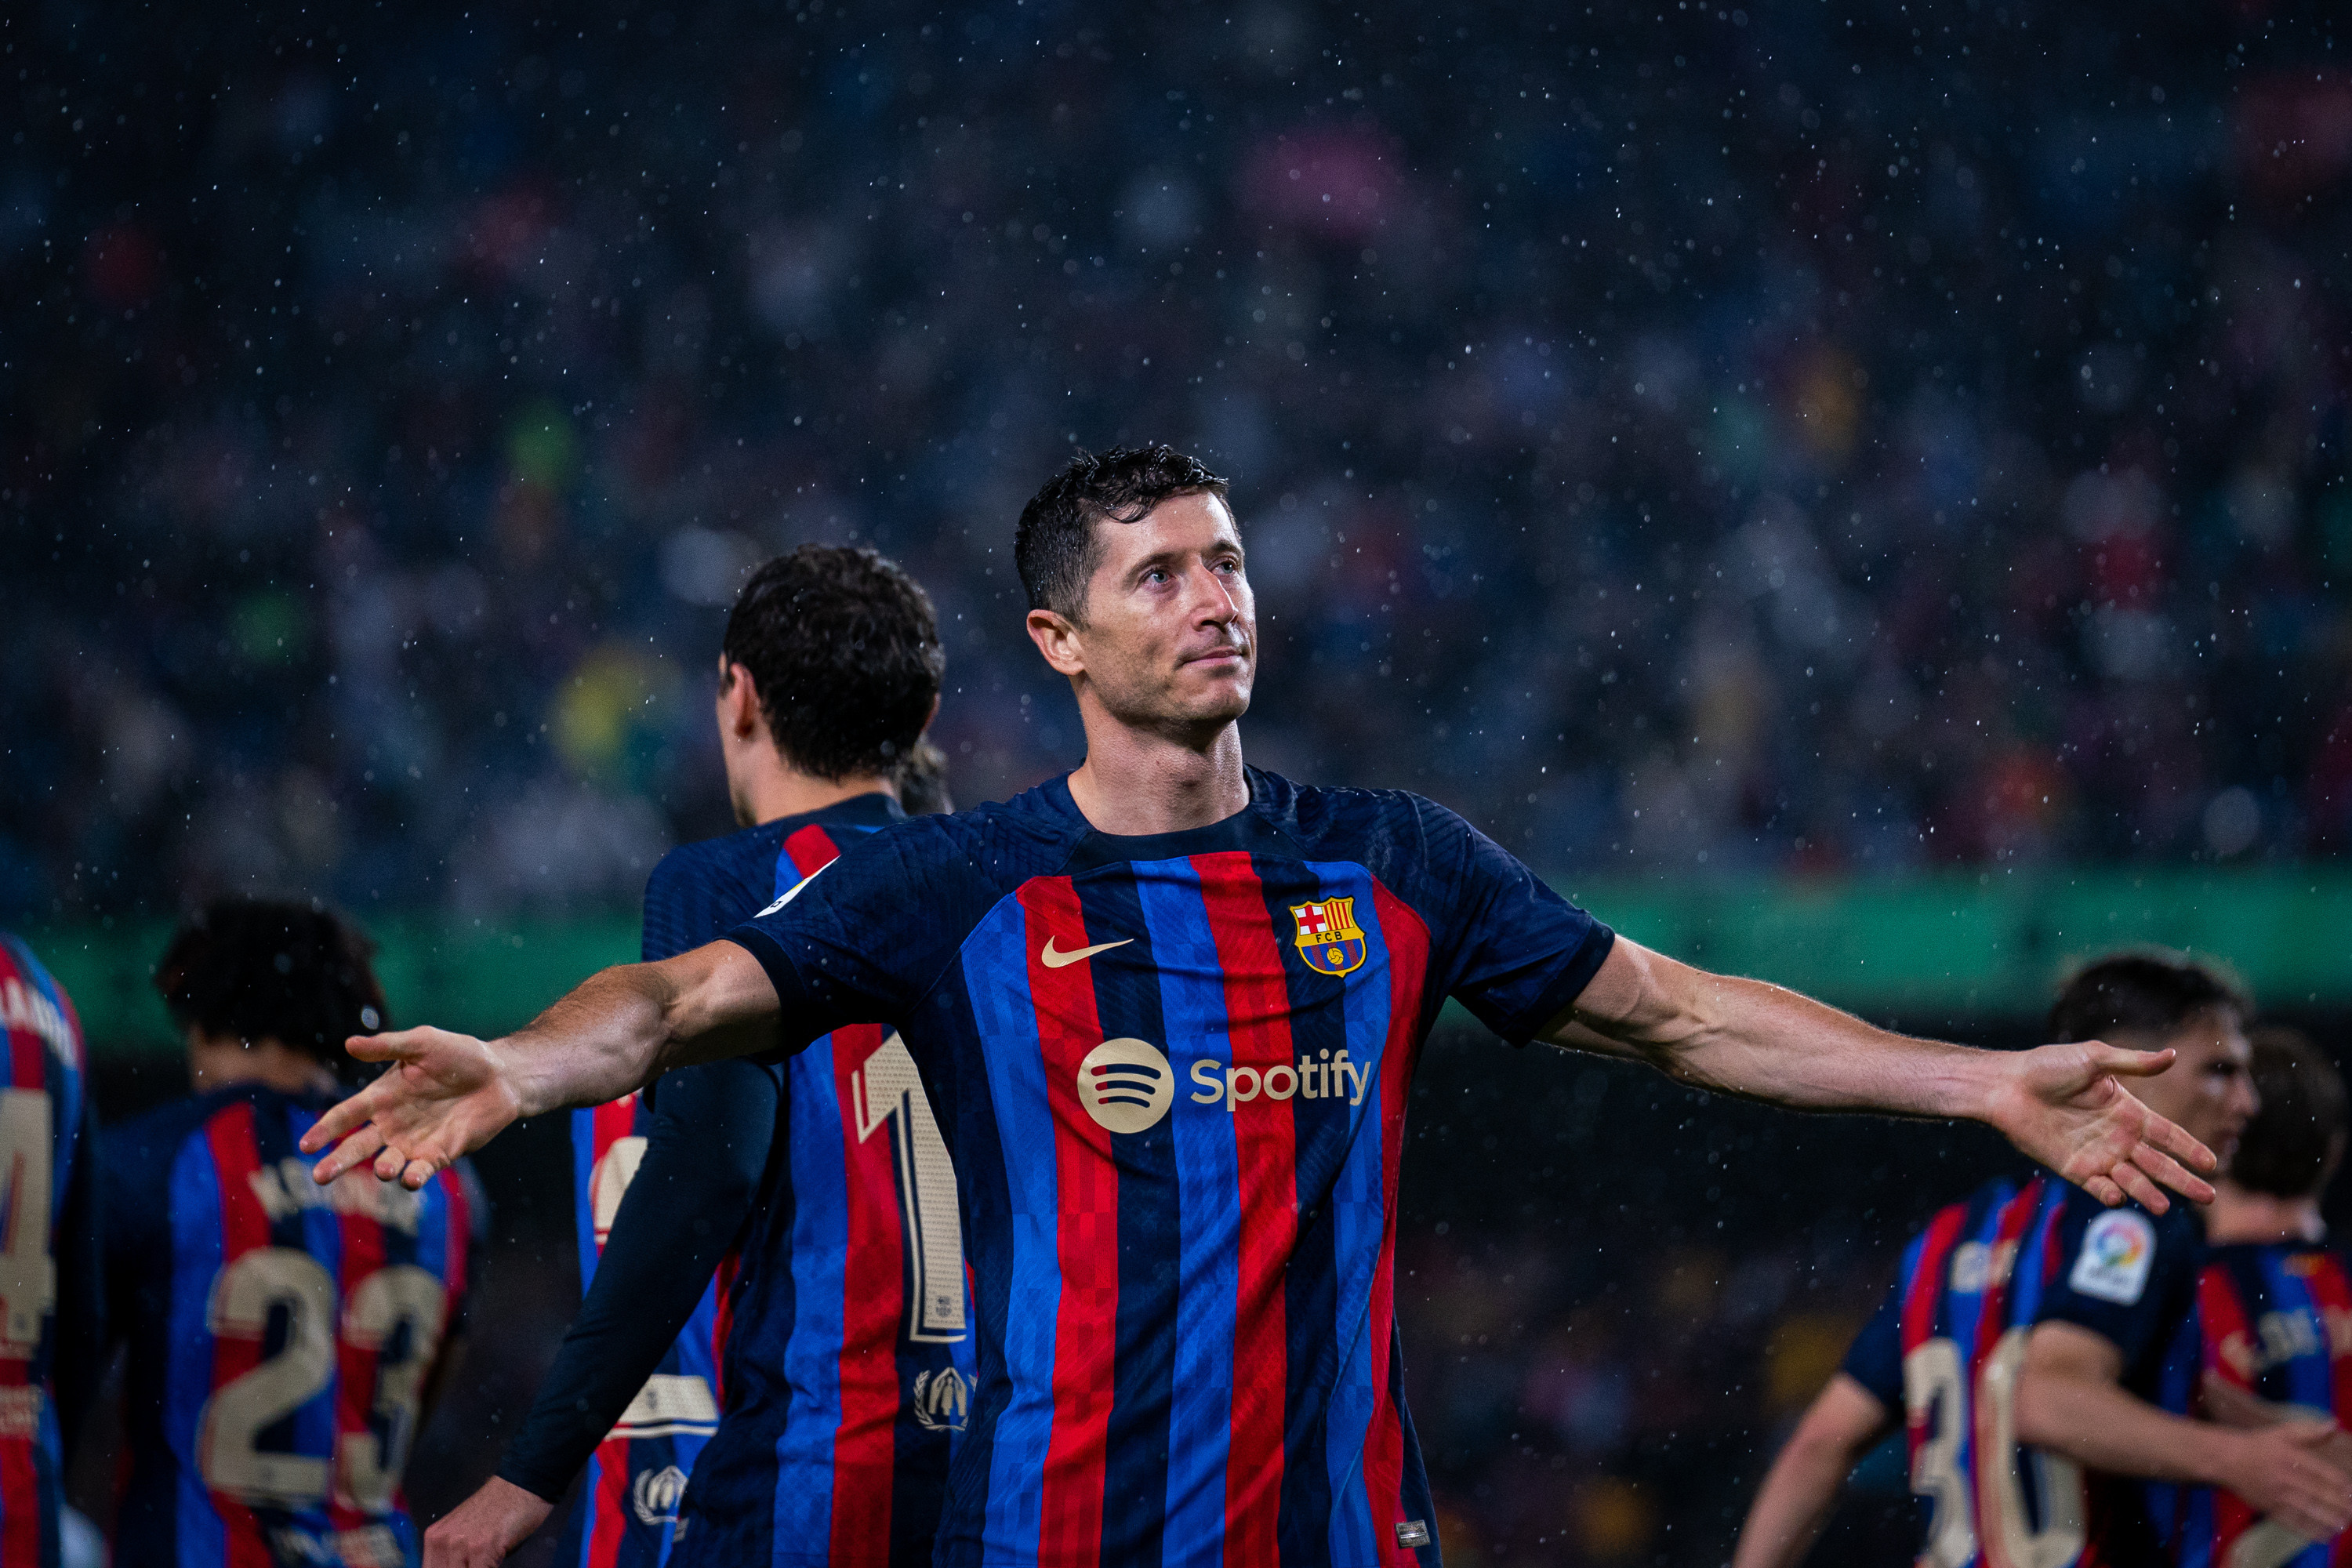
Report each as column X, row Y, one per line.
column 1683, row 438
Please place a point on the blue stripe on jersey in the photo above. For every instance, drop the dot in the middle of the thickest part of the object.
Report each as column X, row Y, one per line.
column 2310, row 1379
column 196, row 1244
column 1207, row 1185
column 804, row 1512
column 996, row 975
column 1359, row 1220
column 1136, row 1455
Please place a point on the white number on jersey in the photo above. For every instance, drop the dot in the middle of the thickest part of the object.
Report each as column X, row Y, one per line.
column 28, row 1274
column 887, row 1091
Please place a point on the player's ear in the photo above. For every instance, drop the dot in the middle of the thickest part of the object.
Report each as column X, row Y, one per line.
column 740, row 693
column 1058, row 642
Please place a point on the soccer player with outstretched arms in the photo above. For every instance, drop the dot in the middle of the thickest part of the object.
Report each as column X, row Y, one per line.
column 286, row 1338
column 1167, row 1009
column 52, row 1312
column 1944, row 1355
column 804, row 1400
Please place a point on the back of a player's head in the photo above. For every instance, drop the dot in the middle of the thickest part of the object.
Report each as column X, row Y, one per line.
column 1054, row 548
column 845, row 650
column 922, row 779
column 260, row 969
column 2139, row 994
column 2290, row 1147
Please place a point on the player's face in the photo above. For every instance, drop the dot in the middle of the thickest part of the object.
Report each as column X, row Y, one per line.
column 2208, row 1089
column 1170, row 633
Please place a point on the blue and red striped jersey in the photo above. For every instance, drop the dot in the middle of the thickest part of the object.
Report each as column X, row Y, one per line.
column 835, row 1337
column 1173, row 1071
column 281, row 1335
column 45, row 1175
column 1946, row 1349
column 2274, row 1319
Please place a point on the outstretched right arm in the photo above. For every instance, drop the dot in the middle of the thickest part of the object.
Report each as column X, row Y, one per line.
column 449, row 1094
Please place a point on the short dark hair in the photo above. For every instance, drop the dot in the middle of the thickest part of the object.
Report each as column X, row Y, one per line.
column 2139, row 992
column 2286, row 1149
column 845, row 647
column 1054, row 548
column 256, row 969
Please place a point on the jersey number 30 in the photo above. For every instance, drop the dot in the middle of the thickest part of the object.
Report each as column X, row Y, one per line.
column 367, row 1462
column 1933, row 1387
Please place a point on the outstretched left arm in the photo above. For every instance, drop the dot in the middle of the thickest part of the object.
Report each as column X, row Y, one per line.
column 2064, row 1106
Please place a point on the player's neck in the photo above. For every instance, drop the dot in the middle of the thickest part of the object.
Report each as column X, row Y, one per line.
column 221, row 1061
column 1138, row 781
column 2239, row 1215
column 764, row 794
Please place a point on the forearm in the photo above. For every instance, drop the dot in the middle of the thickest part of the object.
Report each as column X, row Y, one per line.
column 622, row 1027
column 1760, row 1041
column 1795, row 1501
column 2097, row 1424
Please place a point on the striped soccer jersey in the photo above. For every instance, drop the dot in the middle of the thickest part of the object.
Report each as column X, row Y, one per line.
column 1173, row 1071
column 45, row 1176
column 1946, row 1349
column 835, row 1339
column 2274, row 1319
column 282, row 1335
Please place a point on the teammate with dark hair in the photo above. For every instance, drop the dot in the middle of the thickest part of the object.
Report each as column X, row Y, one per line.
column 1168, row 1008
column 1944, row 1352
column 814, row 1185
column 2268, row 1336
column 285, row 1337
column 52, row 1312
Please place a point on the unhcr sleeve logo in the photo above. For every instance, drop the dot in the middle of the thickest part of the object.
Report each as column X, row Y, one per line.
column 941, row 1400
column 1126, row 1085
column 657, row 1494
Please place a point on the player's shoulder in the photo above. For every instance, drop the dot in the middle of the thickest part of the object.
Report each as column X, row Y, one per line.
column 147, row 1144
column 1340, row 817
column 31, row 999
column 2115, row 1255
column 998, row 843
column 698, row 863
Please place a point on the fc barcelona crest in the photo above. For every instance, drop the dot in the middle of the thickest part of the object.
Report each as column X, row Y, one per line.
column 1328, row 938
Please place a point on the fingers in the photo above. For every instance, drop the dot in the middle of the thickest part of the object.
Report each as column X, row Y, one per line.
column 350, row 1154
column 346, row 1117
column 2164, row 1168
column 2122, row 1063
column 2134, row 1181
column 2105, row 1191
column 2176, row 1141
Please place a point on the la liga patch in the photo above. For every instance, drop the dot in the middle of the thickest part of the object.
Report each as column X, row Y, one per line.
column 2118, row 1249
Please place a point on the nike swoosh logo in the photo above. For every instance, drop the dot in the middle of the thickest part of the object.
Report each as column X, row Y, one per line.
column 1054, row 959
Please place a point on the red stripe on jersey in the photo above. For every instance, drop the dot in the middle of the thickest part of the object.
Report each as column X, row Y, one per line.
column 2228, row 1339
column 811, row 850
column 608, row 1514
column 2331, row 1291
column 245, row 1227
column 458, row 1234
column 1917, row 1324
column 1086, row 1327
column 20, row 1493
column 873, row 1288
column 1406, row 941
column 1265, row 1148
column 355, row 1364
column 723, row 1321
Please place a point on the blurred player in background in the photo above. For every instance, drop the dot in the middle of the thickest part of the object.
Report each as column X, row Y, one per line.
column 1944, row 1352
column 285, row 1338
column 2269, row 1335
column 1170, row 1008
column 821, row 1181
column 52, row 1317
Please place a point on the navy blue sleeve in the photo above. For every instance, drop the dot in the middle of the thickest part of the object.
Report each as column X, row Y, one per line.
column 863, row 940
column 705, row 1152
column 1875, row 1360
column 2124, row 1274
column 1513, row 951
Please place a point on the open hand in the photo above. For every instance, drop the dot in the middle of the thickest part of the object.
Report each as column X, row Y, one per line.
column 2065, row 1106
column 446, row 1095
column 481, row 1531
column 2293, row 1473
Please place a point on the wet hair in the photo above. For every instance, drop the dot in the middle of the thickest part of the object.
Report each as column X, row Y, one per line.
column 2288, row 1147
column 923, row 781
column 1054, row 548
column 256, row 969
column 2138, row 993
column 845, row 648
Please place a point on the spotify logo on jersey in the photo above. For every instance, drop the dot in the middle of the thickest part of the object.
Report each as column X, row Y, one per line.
column 1126, row 1086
